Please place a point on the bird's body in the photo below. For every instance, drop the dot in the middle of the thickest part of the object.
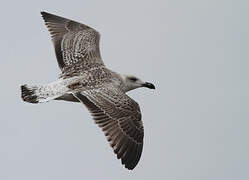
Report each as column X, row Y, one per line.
column 86, row 79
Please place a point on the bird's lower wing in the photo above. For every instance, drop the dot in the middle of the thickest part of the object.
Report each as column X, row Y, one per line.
column 120, row 118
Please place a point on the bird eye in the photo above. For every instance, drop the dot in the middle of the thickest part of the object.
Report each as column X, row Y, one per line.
column 133, row 79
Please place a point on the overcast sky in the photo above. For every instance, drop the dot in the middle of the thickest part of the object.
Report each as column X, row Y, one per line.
column 196, row 52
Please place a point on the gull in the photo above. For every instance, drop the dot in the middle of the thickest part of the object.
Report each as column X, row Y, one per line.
column 85, row 78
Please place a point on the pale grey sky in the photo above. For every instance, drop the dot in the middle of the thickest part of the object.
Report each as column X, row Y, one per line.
column 196, row 122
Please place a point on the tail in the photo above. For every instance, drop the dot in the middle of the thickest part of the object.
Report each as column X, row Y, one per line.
column 47, row 92
column 37, row 93
column 29, row 93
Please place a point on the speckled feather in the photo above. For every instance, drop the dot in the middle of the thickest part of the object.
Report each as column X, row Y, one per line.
column 120, row 118
column 75, row 44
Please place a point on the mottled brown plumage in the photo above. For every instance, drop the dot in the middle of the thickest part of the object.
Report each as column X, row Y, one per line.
column 85, row 78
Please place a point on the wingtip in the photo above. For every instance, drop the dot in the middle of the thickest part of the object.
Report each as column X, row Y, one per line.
column 43, row 13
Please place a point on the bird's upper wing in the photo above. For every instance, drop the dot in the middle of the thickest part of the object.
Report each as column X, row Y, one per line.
column 119, row 117
column 75, row 44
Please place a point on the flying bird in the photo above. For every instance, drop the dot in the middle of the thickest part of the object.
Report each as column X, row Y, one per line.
column 85, row 78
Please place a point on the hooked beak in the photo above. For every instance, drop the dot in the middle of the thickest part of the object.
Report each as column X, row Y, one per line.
column 149, row 85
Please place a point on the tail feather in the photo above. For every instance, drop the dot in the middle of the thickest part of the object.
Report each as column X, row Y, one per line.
column 41, row 93
column 28, row 94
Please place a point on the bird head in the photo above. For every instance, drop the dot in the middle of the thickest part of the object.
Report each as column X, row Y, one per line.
column 132, row 82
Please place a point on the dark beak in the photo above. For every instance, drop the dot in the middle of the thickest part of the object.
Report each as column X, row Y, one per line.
column 149, row 85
